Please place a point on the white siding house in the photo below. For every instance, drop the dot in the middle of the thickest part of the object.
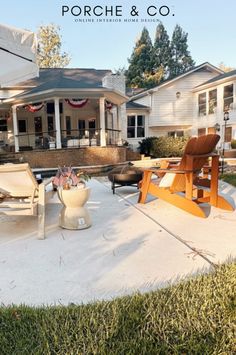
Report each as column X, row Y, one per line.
column 212, row 99
column 172, row 107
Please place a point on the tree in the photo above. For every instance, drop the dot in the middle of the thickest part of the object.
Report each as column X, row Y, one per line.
column 161, row 52
column 141, row 61
column 181, row 60
column 49, row 48
column 120, row 71
column 225, row 68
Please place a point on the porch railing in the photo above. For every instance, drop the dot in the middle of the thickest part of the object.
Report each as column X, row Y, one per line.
column 69, row 139
column 80, row 138
column 112, row 136
column 37, row 140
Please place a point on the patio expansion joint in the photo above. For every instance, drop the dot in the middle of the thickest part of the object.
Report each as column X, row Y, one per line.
column 194, row 251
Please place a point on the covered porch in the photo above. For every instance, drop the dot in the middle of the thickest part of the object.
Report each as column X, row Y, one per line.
column 62, row 118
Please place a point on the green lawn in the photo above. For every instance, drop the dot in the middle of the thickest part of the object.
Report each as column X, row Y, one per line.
column 197, row 316
column 230, row 178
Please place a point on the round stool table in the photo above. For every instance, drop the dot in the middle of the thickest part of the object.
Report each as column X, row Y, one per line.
column 73, row 214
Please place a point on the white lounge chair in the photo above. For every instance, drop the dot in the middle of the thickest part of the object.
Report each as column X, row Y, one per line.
column 22, row 195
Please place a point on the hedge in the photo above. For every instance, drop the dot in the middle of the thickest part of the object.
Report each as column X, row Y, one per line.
column 162, row 147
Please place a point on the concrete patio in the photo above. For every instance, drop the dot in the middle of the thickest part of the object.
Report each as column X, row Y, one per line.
column 129, row 247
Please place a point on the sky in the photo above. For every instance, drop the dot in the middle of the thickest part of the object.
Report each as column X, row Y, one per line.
column 210, row 25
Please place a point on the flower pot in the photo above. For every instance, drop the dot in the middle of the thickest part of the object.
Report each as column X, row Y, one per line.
column 73, row 214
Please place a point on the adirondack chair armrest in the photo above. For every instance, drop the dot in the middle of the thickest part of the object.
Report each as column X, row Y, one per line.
column 172, row 171
column 41, row 207
column 176, row 171
column 202, row 155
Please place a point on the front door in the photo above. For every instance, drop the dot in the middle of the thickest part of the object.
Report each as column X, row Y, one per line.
column 38, row 126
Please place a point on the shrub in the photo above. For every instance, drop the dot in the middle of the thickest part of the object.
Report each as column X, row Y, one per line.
column 233, row 144
column 163, row 147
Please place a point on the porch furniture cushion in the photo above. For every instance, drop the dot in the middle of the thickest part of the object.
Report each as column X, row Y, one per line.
column 72, row 143
column 24, row 196
column 84, row 142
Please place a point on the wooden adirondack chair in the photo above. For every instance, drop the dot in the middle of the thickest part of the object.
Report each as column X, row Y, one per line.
column 21, row 194
column 183, row 186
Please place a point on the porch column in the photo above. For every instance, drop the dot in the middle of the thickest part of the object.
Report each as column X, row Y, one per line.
column 57, row 123
column 102, row 122
column 15, row 129
column 119, row 126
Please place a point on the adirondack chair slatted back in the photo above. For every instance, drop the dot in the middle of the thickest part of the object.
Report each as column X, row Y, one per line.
column 17, row 180
column 202, row 145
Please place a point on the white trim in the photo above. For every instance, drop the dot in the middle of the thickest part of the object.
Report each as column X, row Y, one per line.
column 214, row 83
column 102, row 122
column 57, row 122
column 148, row 92
column 54, row 91
column 15, row 128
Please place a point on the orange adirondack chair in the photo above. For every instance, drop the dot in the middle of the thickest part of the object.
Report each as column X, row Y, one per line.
column 183, row 185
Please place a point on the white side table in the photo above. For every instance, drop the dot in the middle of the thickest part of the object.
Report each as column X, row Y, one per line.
column 73, row 214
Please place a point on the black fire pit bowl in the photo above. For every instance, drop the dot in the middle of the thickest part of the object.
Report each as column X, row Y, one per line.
column 124, row 176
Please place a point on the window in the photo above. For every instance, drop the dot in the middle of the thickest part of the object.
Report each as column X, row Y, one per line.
column 3, row 125
column 176, row 134
column 131, row 127
column 140, row 126
column 68, row 125
column 211, row 130
column 81, row 124
column 50, row 125
column 228, row 134
column 81, row 128
column 92, row 126
column 201, row 132
column 38, row 126
column 202, row 104
column 228, row 97
column 22, row 126
column 51, row 108
column 135, row 126
column 212, row 101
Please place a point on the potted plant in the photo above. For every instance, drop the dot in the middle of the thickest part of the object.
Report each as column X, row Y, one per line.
column 66, row 178
column 73, row 193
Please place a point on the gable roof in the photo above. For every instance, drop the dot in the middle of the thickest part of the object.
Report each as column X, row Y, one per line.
column 130, row 105
column 206, row 65
column 83, row 77
column 221, row 77
column 57, row 81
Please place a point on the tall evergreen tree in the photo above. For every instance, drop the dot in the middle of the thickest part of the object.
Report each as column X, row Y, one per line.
column 141, row 61
column 49, row 48
column 161, row 52
column 181, row 60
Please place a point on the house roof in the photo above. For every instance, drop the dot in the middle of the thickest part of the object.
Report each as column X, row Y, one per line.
column 56, row 81
column 84, row 77
column 135, row 106
column 221, row 77
column 205, row 65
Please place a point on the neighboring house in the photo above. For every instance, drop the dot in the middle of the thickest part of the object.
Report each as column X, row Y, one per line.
column 190, row 104
column 63, row 108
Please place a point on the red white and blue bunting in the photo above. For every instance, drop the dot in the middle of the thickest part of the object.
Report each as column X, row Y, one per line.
column 76, row 103
column 108, row 105
column 34, row 107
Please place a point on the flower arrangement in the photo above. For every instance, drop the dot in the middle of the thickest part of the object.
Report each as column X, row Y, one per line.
column 66, row 178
